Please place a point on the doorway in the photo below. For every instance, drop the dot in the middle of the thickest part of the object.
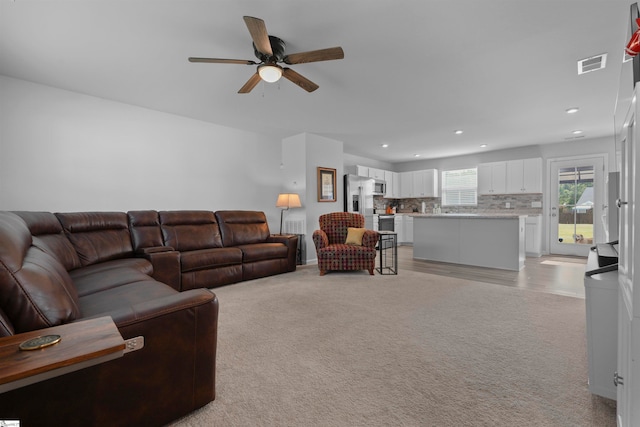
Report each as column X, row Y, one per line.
column 576, row 189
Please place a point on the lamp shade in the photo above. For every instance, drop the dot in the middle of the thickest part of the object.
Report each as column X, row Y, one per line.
column 288, row 200
column 270, row 73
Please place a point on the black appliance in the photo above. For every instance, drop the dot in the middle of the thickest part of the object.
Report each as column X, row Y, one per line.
column 607, row 258
column 386, row 222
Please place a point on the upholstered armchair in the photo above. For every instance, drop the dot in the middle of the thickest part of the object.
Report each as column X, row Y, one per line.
column 339, row 248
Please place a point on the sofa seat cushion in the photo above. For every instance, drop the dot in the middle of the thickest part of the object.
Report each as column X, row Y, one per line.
column 119, row 302
column 348, row 252
column 204, row 259
column 140, row 264
column 90, row 282
column 263, row 251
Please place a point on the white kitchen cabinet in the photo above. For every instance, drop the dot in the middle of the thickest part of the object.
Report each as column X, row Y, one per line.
column 524, row 176
column 465, row 240
column 406, row 184
column 492, row 178
column 390, row 178
column 533, row 235
column 376, row 173
column 396, row 185
column 425, row 183
column 398, row 225
column 375, row 222
column 407, row 229
column 362, row 171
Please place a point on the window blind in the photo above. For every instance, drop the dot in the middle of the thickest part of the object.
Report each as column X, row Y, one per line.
column 460, row 187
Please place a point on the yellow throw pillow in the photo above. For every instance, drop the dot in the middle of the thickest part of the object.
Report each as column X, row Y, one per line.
column 354, row 236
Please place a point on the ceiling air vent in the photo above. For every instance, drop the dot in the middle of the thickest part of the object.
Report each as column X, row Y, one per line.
column 592, row 64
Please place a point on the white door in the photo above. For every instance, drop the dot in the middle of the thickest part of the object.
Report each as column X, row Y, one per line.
column 628, row 411
column 576, row 201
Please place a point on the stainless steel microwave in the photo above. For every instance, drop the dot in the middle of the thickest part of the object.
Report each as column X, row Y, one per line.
column 379, row 187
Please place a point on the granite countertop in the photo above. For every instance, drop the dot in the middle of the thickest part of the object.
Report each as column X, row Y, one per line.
column 468, row 215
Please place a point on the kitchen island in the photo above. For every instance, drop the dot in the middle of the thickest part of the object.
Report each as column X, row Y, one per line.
column 495, row 241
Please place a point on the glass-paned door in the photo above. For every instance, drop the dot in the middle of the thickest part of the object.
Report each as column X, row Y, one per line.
column 576, row 206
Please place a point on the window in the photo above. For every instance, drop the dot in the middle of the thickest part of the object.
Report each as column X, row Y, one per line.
column 460, row 187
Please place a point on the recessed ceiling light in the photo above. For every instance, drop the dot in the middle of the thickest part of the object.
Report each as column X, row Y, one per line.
column 385, row 145
column 572, row 110
column 458, row 132
column 416, row 155
column 577, row 132
column 483, row 146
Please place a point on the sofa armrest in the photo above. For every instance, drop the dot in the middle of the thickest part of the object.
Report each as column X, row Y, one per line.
column 153, row 250
column 370, row 238
column 291, row 242
column 169, row 377
column 320, row 239
column 142, row 312
column 166, row 264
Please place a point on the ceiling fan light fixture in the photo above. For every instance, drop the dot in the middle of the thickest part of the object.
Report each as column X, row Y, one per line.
column 270, row 73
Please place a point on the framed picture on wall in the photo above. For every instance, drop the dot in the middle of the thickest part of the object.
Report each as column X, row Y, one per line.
column 326, row 185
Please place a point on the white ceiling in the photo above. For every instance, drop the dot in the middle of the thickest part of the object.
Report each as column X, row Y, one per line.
column 414, row 71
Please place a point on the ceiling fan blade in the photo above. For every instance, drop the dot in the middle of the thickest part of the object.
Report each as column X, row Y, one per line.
column 314, row 56
column 223, row 61
column 250, row 84
column 258, row 31
column 300, row 80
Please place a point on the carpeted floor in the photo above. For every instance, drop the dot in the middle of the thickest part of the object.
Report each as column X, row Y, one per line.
column 348, row 349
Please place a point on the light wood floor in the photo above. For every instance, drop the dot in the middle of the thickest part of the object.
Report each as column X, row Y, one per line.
column 562, row 275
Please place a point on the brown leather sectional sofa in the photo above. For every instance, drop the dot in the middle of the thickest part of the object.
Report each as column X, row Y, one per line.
column 145, row 269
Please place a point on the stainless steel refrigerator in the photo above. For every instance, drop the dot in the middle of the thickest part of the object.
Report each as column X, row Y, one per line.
column 358, row 197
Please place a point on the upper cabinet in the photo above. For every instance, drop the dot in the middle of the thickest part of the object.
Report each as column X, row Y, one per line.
column 376, row 173
column 362, row 170
column 393, row 184
column 524, row 176
column 406, row 184
column 492, row 178
column 425, row 183
column 422, row 183
column 513, row 176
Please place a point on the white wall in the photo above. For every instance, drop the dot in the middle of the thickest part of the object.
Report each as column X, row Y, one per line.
column 62, row 151
column 302, row 155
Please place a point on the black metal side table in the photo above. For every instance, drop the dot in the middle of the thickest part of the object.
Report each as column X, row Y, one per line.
column 388, row 252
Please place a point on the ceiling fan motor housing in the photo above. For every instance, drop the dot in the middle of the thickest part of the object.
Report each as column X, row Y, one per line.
column 277, row 47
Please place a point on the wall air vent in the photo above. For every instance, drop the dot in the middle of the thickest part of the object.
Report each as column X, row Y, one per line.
column 594, row 63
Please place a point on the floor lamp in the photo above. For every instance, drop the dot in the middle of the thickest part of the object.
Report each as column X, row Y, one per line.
column 285, row 202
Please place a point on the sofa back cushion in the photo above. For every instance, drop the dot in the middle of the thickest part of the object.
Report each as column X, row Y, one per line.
column 145, row 229
column 242, row 227
column 35, row 289
column 97, row 236
column 47, row 235
column 190, row 230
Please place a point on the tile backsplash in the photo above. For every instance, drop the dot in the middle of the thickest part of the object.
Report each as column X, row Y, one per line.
column 518, row 204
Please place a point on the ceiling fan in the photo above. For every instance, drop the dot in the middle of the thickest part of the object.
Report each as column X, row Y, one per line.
column 270, row 50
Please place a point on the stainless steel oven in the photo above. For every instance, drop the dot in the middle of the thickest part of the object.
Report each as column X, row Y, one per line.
column 386, row 222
